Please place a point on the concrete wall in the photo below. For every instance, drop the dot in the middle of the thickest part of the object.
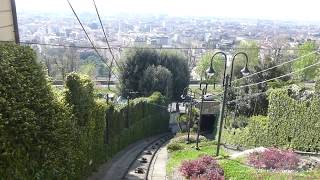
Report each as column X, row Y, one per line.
column 7, row 28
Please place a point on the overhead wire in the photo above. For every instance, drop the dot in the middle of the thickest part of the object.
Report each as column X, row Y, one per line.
column 105, row 35
column 106, row 38
column 278, row 77
column 290, row 61
column 261, row 82
column 247, row 97
column 91, row 42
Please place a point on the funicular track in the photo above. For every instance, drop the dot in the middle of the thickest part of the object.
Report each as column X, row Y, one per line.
column 140, row 167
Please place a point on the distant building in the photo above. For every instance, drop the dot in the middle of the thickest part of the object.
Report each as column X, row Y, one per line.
column 158, row 40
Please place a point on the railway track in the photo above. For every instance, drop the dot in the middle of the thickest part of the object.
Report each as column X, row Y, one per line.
column 140, row 167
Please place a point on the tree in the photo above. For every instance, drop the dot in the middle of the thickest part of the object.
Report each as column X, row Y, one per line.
column 218, row 66
column 88, row 69
column 310, row 73
column 136, row 61
column 258, row 104
column 133, row 64
column 156, row 78
column 59, row 61
column 252, row 50
column 177, row 64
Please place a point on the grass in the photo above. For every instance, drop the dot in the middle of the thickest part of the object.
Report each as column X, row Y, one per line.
column 234, row 169
column 189, row 152
column 217, row 90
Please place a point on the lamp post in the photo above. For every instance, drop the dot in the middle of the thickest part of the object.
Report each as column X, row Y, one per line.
column 200, row 118
column 226, row 83
column 184, row 96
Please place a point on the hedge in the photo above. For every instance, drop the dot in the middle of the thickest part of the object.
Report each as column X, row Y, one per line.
column 34, row 126
column 294, row 123
column 43, row 136
column 254, row 134
column 290, row 124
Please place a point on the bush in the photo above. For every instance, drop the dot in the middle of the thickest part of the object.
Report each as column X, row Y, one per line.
column 80, row 97
column 294, row 123
column 254, row 134
column 203, row 168
column 274, row 159
column 290, row 123
column 47, row 137
column 103, row 130
column 35, row 126
column 192, row 138
column 174, row 147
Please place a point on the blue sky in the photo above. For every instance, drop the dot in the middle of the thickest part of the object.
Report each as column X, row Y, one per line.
column 303, row 10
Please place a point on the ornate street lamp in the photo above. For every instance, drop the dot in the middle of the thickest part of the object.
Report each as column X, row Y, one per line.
column 226, row 83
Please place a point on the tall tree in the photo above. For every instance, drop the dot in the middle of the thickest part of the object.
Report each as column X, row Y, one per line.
column 136, row 61
column 177, row 64
column 89, row 69
column 156, row 78
column 204, row 64
column 133, row 64
column 252, row 50
column 310, row 73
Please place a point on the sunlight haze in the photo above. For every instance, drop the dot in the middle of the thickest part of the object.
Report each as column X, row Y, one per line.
column 272, row 9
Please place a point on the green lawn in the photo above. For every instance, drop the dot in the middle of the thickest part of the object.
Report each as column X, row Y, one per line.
column 189, row 152
column 211, row 90
column 234, row 169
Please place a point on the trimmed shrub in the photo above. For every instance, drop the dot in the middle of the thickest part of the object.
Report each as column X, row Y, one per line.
column 35, row 127
column 274, row 159
column 80, row 97
column 290, row 124
column 174, row 147
column 192, row 138
column 294, row 123
column 254, row 134
column 103, row 130
column 47, row 137
column 203, row 168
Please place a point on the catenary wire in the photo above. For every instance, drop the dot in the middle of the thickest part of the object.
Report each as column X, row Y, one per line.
column 105, row 35
column 246, row 97
column 293, row 60
column 91, row 42
column 106, row 38
column 261, row 82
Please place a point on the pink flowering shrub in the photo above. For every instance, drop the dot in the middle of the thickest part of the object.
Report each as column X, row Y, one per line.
column 204, row 168
column 273, row 158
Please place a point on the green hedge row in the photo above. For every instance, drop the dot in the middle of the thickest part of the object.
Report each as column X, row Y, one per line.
column 294, row 123
column 290, row 123
column 45, row 136
column 254, row 134
column 34, row 126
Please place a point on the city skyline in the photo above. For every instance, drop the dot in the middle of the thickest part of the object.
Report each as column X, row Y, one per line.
column 272, row 9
